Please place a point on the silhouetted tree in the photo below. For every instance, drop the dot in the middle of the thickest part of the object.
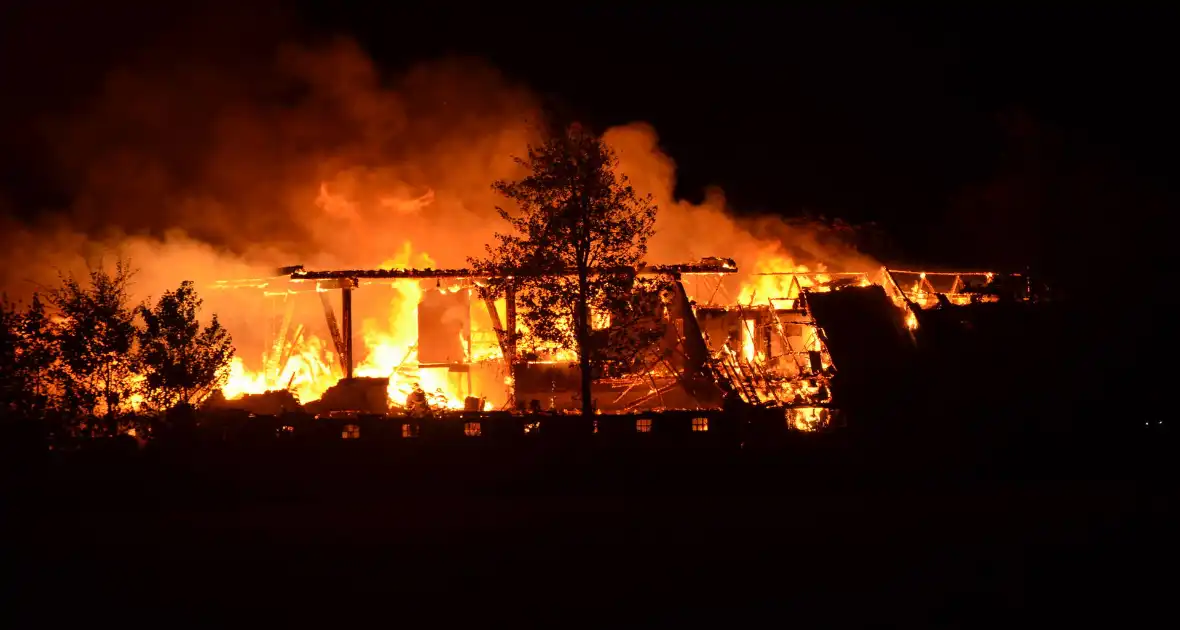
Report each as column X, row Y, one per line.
column 95, row 340
column 182, row 362
column 13, row 381
column 577, row 216
column 38, row 356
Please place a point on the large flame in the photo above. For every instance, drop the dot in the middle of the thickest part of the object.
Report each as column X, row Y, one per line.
column 783, row 279
column 389, row 343
column 387, row 349
column 203, row 168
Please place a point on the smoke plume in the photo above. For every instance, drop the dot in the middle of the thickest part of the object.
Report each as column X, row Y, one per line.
column 204, row 166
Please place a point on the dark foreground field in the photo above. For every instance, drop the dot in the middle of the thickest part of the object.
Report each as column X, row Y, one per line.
column 833, row 531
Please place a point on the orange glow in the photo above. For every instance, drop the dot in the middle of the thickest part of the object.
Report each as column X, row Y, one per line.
column 387, row 349
column 761, row 288
column 350, row 170
column 807, row 419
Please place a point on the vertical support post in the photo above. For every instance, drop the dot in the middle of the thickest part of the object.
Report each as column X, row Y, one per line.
column 346, row 307
column 510, row 322
column 468, row 359
column 767, row 337
column 510, row 336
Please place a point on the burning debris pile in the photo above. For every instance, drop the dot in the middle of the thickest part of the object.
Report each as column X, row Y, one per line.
column 364, row 395
column 269, row 403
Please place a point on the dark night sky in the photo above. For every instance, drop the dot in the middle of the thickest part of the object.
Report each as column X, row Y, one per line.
column 1046, row 127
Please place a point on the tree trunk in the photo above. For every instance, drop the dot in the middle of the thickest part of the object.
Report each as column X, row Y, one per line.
column 583, row 336
column 112, row 424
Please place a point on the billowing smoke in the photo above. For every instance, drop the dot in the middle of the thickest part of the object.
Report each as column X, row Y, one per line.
column 686, row 232
column 314, row 162
column 199, row 168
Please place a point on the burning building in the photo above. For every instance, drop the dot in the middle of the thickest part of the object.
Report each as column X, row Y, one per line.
column 763, row 342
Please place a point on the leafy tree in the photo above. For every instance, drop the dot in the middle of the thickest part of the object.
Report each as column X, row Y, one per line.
column 37, row 357
column 579, row 235
column 13, row 380
column 95, row 338
column 182, row 362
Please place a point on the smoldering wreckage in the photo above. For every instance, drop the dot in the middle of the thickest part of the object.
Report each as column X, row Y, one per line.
column 775, row 347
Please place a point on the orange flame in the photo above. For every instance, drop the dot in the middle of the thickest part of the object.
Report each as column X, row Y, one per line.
column 388, row 349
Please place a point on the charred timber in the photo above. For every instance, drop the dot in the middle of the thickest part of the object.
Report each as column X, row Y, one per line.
column 346, row 309
column 395, row 274
column 947, row 273
column 834, row 274
column 333, row 328
column 381, row 274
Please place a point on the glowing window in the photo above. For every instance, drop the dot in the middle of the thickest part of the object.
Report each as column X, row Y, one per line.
column 350, row 432
column 700, row 424
column 643, row 425
column 472, row 429
column 409, row 431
